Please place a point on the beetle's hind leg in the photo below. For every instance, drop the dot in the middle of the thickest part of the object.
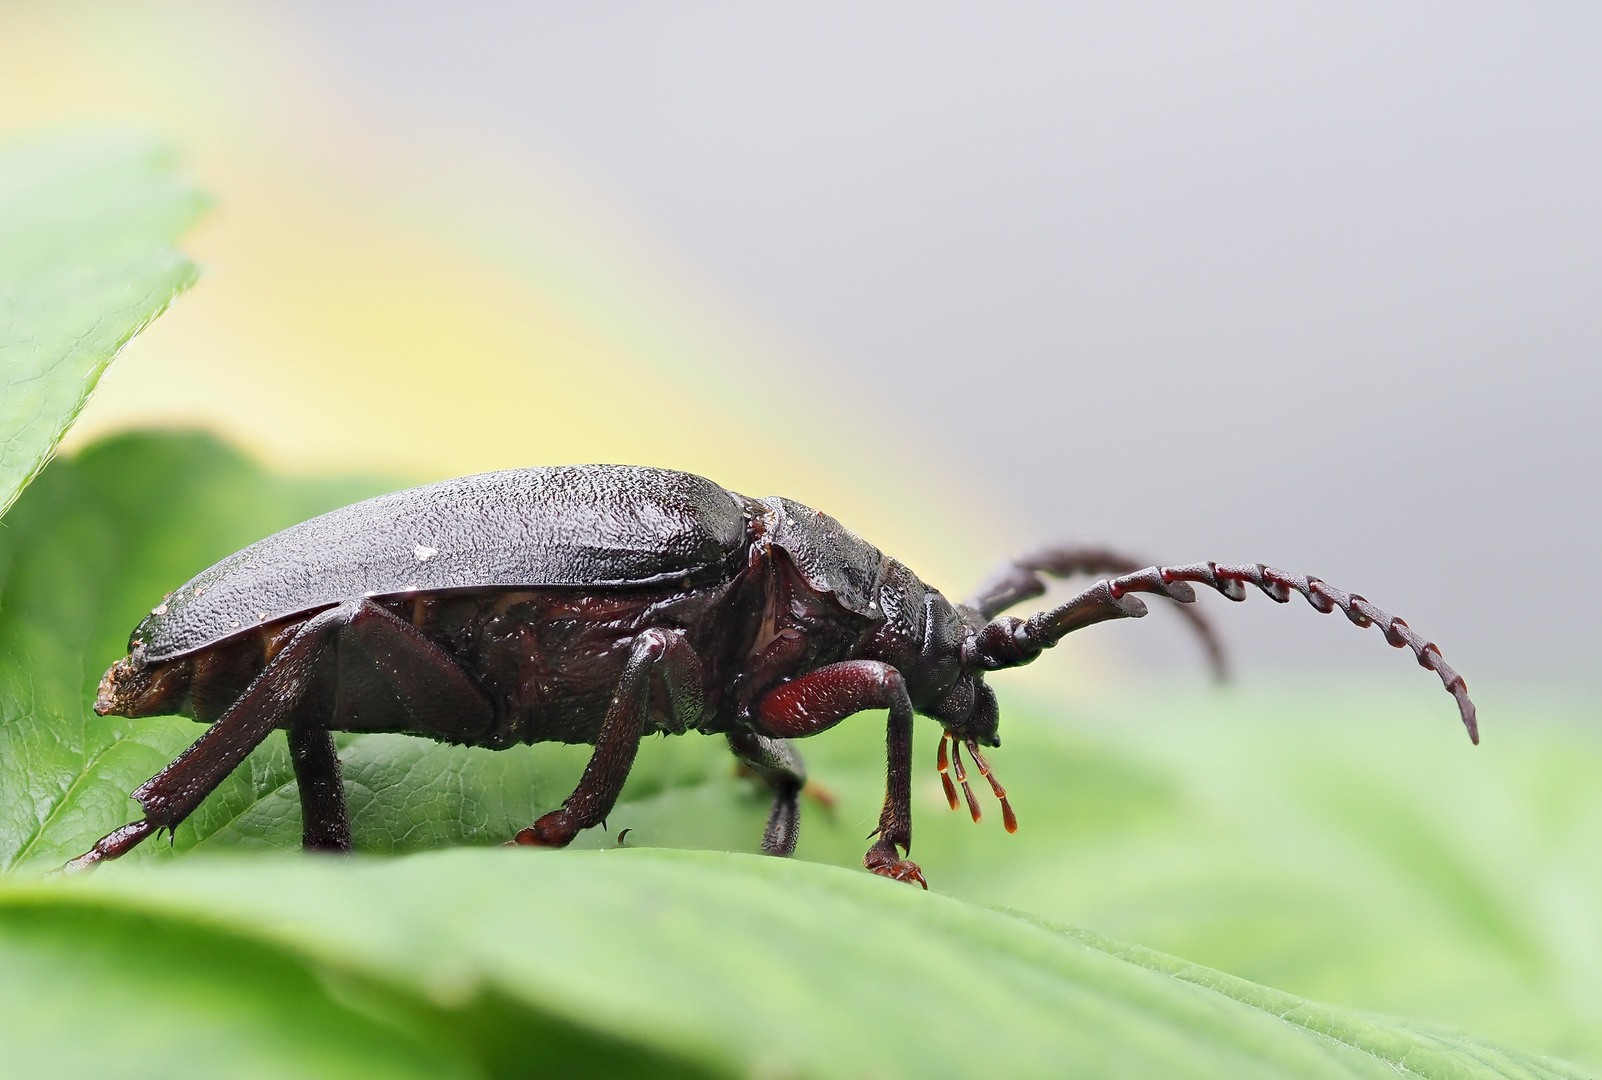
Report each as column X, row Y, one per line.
column 267, row 703
column 657, row 657
column 325, row 820
column 395, row 667
column 779, row 764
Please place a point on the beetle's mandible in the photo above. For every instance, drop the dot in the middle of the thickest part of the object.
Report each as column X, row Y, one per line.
column 598, row 604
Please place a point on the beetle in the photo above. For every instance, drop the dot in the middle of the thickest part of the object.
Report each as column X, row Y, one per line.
column 600, row 603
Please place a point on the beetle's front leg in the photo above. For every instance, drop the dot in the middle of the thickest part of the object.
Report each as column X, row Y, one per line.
column 821, row 699
column 657, row 655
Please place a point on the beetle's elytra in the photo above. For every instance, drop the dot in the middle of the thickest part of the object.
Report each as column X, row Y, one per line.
column 597, row 604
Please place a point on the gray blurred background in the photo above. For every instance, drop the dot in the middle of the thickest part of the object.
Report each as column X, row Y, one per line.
column 1314, row 285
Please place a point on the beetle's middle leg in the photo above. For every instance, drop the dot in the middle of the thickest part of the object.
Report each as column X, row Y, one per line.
column 821, row 699
column 779, row 764
column 658, row 657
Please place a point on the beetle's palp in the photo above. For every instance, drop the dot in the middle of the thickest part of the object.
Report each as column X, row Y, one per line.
column 1008, row 818
column 954, row 765
column 962, row 779
column 1009, row 642
column 1021, row 580
column 943, row 764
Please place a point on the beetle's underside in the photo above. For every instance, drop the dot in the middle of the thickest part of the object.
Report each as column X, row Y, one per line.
column 786, row 625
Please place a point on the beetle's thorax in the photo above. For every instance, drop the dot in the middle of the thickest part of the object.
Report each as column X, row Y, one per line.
column 830, row 583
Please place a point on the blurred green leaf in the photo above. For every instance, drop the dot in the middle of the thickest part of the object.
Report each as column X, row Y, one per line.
column 87, row 226
column 97, row 993
column 746, row 966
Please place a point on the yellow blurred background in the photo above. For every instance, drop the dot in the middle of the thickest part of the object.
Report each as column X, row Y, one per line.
column 387, row 293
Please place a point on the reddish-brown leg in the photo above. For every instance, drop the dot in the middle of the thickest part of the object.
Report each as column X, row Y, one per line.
column 817, row 701
column 268, row 702
column 389, row 659
column 657, row 656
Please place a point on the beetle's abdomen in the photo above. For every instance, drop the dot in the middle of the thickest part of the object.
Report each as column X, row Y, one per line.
column 551, row 660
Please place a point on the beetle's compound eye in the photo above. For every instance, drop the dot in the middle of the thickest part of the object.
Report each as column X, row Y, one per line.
column 986, row 715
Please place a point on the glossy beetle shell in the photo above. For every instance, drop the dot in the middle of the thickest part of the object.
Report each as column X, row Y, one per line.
column 590, row 526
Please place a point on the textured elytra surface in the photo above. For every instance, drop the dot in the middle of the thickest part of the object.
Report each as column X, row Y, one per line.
column 592, row 526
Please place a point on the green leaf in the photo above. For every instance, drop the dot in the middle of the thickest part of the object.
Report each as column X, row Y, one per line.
column 87, row 226
column 99, row 993
column 725, row 965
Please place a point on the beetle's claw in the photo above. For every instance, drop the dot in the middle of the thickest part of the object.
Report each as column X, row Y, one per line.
column 543, row 833
column 883, row 859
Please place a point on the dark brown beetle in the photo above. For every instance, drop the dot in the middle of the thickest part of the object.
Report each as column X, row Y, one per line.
column 597, row 604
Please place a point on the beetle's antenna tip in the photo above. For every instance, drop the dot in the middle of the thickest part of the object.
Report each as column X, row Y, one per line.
column 1466, row 707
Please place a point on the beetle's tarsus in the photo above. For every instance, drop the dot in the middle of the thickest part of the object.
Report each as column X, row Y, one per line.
column 115, row 843
column 778, row 763
column 784, row 824
column 325, row 819
column 532, row 837
column 883, row 859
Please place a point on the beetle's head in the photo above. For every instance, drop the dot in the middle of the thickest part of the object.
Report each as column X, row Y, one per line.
column 969, row 711
column 966, row 708
column 931, row 641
